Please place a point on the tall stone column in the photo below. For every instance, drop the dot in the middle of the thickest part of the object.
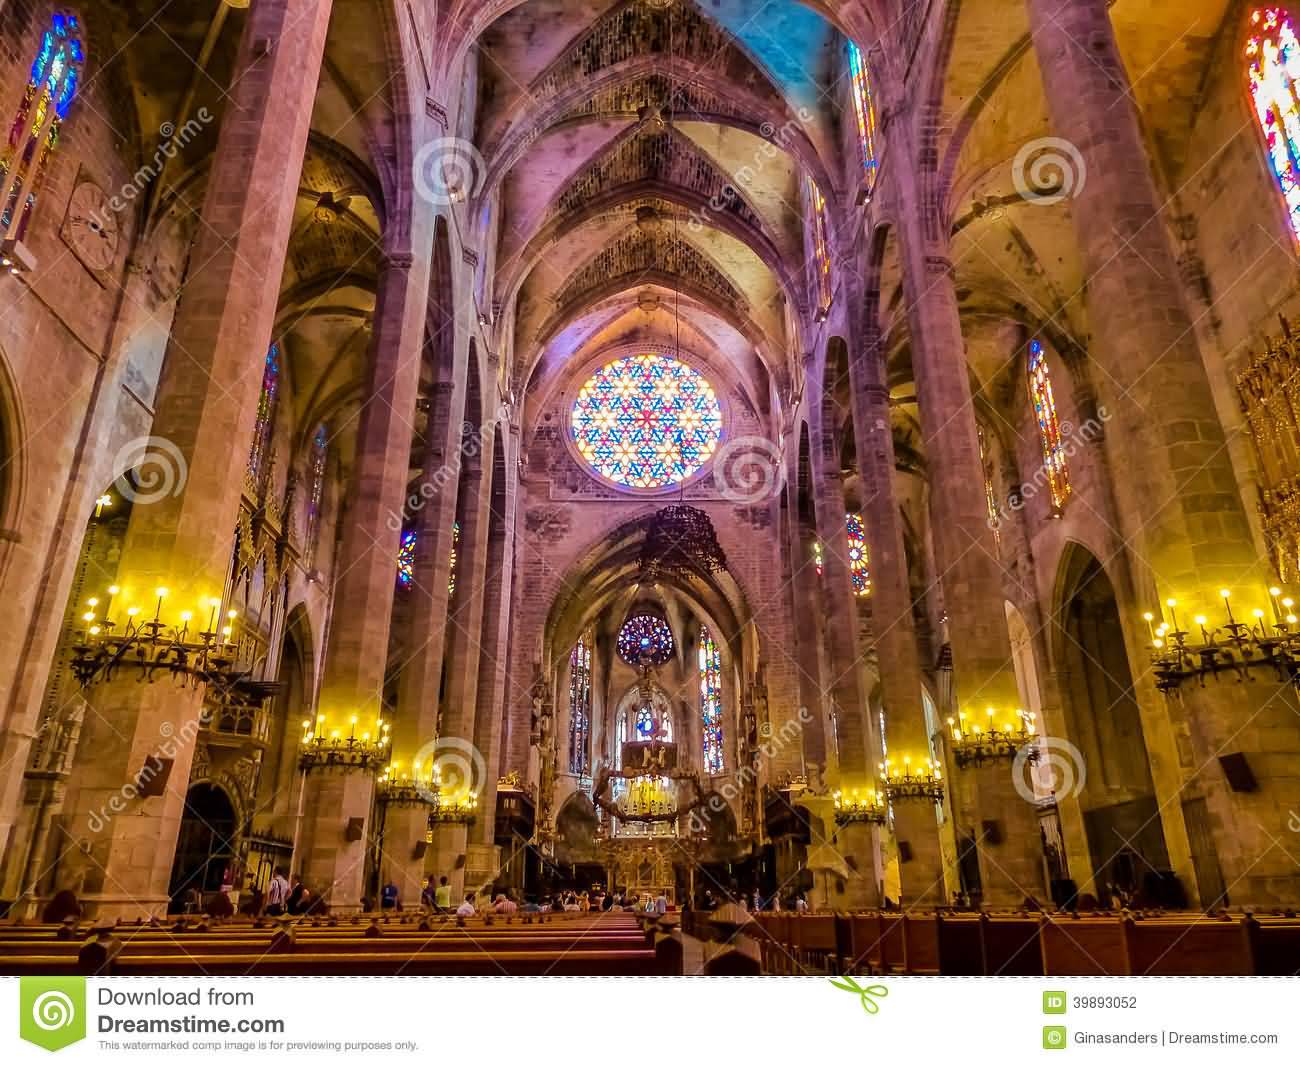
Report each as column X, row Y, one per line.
column 857, row 743
column 415, row 727
column 966, row 555
column 338, row 794
column 893, row 630
column 465, row 626
column 116, row 841
column 1179, row 507
column 805, row 648
column 494, row 646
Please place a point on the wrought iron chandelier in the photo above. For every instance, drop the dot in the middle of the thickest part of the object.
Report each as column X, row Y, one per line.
column 680, row 542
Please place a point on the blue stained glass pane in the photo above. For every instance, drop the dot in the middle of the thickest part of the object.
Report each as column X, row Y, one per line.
column 406, row 559
column 646, row 421
column 710, row 661
column 645, row 636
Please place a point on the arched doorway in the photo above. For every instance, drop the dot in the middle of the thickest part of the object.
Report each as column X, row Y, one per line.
column 1120, row 813
column 206, row 844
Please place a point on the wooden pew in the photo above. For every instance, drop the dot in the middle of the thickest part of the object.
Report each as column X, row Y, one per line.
column 604, row 946
column 814, row 942
column 1087, row 946
column 1188, row 947
column 1011, row 945
column 960, row 944
column 865, row 943
column 776, row 943
column 1274, row 945
column 920, row 937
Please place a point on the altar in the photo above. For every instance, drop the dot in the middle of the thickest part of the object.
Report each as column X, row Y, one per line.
column 642, row 865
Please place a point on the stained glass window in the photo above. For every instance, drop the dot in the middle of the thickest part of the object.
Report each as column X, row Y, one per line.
column 265, row 424
column 647, row 421
column 316, row 485
column 711, row 701
column 451, row 571
column 865, row 110
column 990, row 493
column 1273, row 69
column 856, row 541
column 406, row 559
column 815, row 212
column 1049, row 429
column 56, row 74
column 645, row 635
column 857, row 545
column 580, row 707
column 644, row 729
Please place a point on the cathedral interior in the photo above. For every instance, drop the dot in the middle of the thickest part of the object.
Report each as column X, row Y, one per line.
column 833, row 451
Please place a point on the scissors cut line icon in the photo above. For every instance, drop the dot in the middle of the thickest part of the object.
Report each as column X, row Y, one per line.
column 866, row 995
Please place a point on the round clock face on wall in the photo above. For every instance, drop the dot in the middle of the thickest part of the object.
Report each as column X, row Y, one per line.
column 91, row 227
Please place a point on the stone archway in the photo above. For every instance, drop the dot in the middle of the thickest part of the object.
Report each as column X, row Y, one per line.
column 207, row 845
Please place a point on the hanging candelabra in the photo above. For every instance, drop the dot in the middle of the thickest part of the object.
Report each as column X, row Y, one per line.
column 906, row 782
column 860, row 807
column 974, row 744
column 172, row 646
column 1234, row 646
column 446, row 804
column 324, row 745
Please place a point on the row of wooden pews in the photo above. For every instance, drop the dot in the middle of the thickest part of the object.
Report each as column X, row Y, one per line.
column 1024, row 944
column 522, row 945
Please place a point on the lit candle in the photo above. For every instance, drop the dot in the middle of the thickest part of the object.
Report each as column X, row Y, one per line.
column 1171, row 603
column 1226, row 595
column 1149, row 617
column 1275, row 596
column 161, row 593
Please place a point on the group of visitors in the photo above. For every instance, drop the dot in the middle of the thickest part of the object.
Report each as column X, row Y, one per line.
column 289, row 896
column 794, row 902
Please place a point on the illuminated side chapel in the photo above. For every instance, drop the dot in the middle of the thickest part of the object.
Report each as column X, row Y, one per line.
column 610, row 448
